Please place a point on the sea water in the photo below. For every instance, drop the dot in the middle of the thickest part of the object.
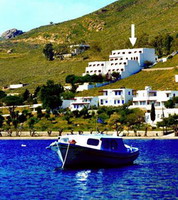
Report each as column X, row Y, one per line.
column 29, row 171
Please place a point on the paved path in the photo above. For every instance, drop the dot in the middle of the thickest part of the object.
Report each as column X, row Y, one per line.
column 159, row 69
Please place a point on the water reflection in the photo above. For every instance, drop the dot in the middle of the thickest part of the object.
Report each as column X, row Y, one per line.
column 83, row 175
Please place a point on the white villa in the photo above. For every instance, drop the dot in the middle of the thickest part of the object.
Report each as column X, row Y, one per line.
column 125, row 61
column 115, row 97
column 78, row 103
column 144, row 98
column 160, row 114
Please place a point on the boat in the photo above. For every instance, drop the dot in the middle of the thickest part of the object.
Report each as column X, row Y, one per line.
column 93, row 151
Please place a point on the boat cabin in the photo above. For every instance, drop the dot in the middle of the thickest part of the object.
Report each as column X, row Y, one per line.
column 100, row 142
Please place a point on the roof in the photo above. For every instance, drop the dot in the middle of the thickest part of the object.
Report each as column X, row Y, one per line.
column 80, row 103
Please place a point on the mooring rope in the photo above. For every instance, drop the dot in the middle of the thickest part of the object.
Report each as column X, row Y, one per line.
column 65, row 156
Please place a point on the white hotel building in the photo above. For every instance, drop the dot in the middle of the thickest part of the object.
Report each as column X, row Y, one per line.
column 125, row 61
column 78, row 103
column 115, row 97
column 145, row 98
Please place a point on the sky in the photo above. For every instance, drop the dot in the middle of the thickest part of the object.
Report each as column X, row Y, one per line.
column 28, row 14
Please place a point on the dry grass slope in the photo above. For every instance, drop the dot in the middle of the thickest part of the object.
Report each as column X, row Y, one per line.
column 109, row 28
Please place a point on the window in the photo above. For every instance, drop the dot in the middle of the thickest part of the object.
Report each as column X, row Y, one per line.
column 64, row 139
column 101, row 102
column 140, row 51
column 106, row 102
column 106, row 93
column 142, row 102
column 76, row 106
column 93, row 142
column 99, row 70
column 118, row 101
column 98, row 64
column 130, row 52
column 117, row 93
column 129, row 93
column 118, row 52
column 116, row 63
column 114, row 145
column 123, row 52
column 115, row 102
column 122, row 101
column 87, row 71
column 102, row 64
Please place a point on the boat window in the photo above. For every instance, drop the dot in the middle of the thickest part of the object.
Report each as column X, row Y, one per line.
column 64, row 139
column 105, row 144
column 114, row 145
column 93, row 142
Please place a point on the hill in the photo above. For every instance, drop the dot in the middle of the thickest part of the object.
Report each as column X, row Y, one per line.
column 104, row 30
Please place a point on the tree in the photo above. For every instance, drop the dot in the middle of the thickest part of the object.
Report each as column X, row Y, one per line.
column 50, row 95
column 171, row 121
column 1, row 121
column 70, row 79
column 68, row 95
column 171, row 103
column 32, row 121
column 68, row 116
column 26, row 95
column 39, row 112
column 116, row 75
column 2, row 94
column 152, row 112
column 36, row 92
column 48, row 51
column 12, row 102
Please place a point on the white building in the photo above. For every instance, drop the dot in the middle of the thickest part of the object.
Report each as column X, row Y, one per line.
column 115, row 97
column 125, row 61
column 176, row 78
column 159, row 115
column 144, row 98
column 78, row 103
column 16, row 86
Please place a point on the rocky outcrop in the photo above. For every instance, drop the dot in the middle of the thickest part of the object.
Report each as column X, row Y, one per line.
column 11, row 33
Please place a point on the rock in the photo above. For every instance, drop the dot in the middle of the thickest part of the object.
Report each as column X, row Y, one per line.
column 10, row 51
column 11, row 33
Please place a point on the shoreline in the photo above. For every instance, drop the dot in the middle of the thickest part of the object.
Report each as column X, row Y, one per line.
column 167, row 137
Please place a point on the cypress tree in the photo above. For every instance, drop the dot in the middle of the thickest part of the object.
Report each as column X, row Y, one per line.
column 152, row 113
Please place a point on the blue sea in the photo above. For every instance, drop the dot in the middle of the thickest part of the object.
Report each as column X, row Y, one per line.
column 31, row 173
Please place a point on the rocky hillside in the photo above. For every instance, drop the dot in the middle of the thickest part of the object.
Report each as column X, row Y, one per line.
column 12, row 33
